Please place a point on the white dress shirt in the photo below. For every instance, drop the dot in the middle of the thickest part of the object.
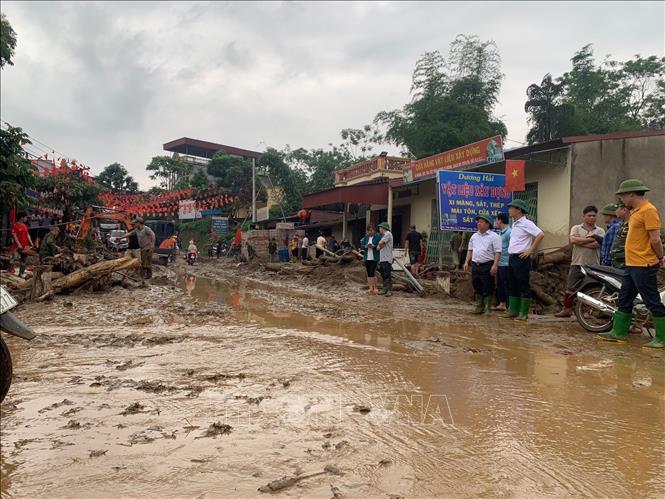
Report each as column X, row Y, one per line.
column 484, row 246
column 522, row 236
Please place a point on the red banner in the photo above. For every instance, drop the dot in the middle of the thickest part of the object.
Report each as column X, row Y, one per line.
column 488, row 150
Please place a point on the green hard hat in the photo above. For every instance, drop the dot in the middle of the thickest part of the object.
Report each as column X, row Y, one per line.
column 384, row 225
column 631, row 185
column 609, row 209
column 486, row 217
column 518, row 203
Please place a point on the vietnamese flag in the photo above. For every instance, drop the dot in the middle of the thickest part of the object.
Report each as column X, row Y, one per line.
column 515, row 175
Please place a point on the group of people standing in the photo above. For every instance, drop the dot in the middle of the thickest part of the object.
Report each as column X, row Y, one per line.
column 500, row 262
column 632, row 242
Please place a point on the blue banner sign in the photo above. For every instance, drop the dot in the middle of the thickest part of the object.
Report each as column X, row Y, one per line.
column 220, row 225
column 463, row 195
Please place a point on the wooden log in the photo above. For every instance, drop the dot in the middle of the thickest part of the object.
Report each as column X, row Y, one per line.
column 410, row 277
column 15, row 282
column 41, row 281
column 348, row 258
column 542, row 295
column 325, row 250
column 78, row 278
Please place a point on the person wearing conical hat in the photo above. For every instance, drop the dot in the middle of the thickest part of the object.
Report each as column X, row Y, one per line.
column 483, row 257
column 525, row 238
column 644, row 256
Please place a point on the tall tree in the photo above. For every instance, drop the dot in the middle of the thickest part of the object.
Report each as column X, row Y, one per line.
column 16, row 172
column 7, row 42
column 172, row 173
column 234, row 174
column 291, row 181
column 359, row 142
column 598, row 98
column 452, row 103
column 199, row 180
column 115, row 177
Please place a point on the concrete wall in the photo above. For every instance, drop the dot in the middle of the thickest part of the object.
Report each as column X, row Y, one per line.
column 599, row 167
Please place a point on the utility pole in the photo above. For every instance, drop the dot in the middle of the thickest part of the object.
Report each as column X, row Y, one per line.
column 253, row 191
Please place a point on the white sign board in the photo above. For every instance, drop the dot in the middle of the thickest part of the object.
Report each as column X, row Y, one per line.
column 187, row 209
column 262, row 214
column 285, row 225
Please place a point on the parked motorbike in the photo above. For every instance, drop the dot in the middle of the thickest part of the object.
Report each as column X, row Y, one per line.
column 191, row 258
column 11, row 325
column 598, row 300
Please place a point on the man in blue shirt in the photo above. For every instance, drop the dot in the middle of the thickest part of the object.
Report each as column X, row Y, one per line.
column 502, row 224
column 612, row 223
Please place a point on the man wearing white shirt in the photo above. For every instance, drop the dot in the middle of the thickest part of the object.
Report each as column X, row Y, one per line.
column 483, row 254
column 304, row 247
column 524, row 240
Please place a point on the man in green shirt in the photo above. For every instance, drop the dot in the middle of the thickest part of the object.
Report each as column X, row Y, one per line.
column 48, row 247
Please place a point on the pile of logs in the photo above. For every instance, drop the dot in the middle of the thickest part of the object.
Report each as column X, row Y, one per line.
column 45, row 283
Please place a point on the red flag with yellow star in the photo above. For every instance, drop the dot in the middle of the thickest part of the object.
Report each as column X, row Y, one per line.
column 515, row 175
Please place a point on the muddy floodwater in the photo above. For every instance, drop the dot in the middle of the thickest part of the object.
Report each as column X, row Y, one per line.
column 202, row 387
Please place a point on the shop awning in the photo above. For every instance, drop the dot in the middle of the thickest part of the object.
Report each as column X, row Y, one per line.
column 358, row 194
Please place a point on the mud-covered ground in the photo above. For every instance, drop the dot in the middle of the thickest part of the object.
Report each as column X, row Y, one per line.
column 218, row 381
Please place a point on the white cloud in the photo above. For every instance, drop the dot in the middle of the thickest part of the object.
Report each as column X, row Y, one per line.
column 113, row 81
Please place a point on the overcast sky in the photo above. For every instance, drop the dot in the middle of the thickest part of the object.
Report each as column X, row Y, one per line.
column 113, row 81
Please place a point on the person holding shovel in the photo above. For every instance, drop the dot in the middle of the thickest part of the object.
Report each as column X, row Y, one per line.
column 386, row 258
column 370, row 244
column 23, row 244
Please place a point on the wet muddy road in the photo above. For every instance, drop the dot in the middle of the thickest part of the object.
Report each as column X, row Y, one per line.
column 198, row 387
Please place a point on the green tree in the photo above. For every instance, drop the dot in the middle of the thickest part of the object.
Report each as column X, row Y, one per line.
column 16, row 172
column 234, row 175
column 7, row 42
column 69, row 190
column 199, row 180
column 115, row 177
column 598, row 98
column 359, row 142
column 452, row 103
column 291, row 180
column 172, row 173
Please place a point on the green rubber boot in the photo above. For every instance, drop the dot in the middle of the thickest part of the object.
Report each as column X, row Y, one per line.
column 620, row 328
column 525, row 305
column 480, row 306
column 487, row 305
column 659, row 340
column 513, row 308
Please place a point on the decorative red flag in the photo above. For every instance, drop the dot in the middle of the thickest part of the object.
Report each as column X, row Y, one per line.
column 515, row 175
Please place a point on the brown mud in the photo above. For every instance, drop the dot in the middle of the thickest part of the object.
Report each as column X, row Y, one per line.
column 225, row 381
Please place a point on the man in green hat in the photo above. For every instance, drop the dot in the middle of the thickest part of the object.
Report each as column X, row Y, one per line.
column 524, row 240
column 586, row 251
column 483, row 255
column 386, row 258
column 611, row 224
column 644, row 256
column 618, row 249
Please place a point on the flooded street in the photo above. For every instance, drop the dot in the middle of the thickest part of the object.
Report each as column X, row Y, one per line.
column 216, row 386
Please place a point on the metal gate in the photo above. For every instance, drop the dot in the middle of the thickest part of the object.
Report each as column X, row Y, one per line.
column 530, row 196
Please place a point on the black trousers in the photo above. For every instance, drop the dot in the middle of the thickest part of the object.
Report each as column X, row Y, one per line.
column 502, row 284
column 641, row 280
column 385, row 269
column 481, row 278
column 518, row 276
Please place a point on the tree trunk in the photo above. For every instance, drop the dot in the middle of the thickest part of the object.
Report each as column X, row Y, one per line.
column 76, row 279
column 41, row 281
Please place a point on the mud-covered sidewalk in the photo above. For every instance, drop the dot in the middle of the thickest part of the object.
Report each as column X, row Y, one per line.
column 219, row 381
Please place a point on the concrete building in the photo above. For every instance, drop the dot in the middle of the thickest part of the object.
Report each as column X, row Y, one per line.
column 562, row 177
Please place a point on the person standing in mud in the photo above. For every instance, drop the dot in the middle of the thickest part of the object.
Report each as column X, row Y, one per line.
column 412, row 244
column 272, row 249
column 483, row 255
column 611, row 224
column 525, row 238
column 370, row 244
column 146, row 239
column 295, row 245
column 304, row 247
column 23, row 244
column 502, row 272
column 618, row 250
column 586, row 251
column 386, row 258
column 320, row 243
column 644, row 256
